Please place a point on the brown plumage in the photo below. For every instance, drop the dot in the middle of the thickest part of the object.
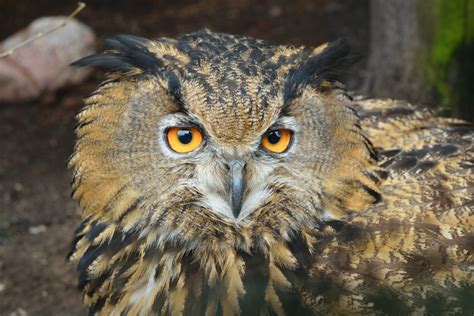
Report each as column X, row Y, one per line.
column 368, row 209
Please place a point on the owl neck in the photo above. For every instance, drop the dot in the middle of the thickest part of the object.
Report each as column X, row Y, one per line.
column 123, row 273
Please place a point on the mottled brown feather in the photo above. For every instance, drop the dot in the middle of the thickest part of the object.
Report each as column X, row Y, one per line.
column 369, row 212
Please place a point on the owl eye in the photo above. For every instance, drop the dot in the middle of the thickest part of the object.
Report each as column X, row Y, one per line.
column 277, row 141
column 184, row 139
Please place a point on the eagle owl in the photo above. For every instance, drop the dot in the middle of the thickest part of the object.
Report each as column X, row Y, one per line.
column 221, row 175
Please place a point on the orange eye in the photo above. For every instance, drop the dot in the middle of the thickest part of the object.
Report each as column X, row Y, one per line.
column 184, row 139
column 277, row 141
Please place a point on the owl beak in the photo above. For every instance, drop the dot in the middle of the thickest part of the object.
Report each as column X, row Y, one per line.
column 237, row 185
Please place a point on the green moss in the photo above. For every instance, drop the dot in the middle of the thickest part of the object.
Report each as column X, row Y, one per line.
column 449, row 29
column 448, row 35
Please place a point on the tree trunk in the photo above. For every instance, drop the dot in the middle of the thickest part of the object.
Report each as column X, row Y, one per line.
column 422, row 50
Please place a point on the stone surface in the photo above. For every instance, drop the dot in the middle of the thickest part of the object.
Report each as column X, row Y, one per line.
column 43, row 65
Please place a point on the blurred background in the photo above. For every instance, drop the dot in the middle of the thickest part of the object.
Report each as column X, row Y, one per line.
column 417, row 50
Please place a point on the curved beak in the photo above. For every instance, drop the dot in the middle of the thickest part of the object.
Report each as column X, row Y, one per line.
column 237, row 185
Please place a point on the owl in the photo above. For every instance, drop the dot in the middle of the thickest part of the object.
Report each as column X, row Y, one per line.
column 222, row 175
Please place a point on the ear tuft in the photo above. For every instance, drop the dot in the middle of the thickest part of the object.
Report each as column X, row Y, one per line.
column 325, row 64
column 128, row 53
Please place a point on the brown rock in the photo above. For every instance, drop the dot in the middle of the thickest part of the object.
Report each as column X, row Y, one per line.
column 43, row 65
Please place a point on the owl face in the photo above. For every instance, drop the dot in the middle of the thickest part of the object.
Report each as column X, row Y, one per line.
column 202, row 157
column 233, row 177
column 213, row 135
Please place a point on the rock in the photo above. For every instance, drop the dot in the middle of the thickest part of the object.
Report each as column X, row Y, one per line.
column 275, row 11
column 43, row 65
column 19, row 312
column 35, row 230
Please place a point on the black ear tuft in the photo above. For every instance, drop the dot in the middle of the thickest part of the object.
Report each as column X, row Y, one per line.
column 327, row 66
column 128, row 52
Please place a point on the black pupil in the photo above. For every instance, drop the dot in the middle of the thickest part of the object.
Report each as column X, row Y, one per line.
column 274, row 137
column 185, row 136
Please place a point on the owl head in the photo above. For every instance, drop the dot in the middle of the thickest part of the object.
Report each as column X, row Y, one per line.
column 209, row 146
